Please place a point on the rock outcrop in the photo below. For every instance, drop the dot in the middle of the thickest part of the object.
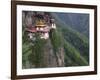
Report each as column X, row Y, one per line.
column 51, row 59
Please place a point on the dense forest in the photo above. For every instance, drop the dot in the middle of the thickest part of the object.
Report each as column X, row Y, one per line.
column 66, row 46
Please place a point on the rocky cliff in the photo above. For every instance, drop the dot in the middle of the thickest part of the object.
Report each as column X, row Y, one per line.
column 44, row 53
column 50, row 58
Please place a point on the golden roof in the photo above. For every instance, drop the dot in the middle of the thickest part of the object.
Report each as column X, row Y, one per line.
column 40, row 23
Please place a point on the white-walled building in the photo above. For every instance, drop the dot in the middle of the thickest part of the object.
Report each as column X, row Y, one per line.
column 42, row 28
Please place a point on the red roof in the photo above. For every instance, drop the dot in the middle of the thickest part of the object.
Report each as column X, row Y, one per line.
column 31, row 29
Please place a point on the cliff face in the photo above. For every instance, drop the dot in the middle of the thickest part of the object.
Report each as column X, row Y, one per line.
column 47, row 53
column 60, row 57
column 51, row 59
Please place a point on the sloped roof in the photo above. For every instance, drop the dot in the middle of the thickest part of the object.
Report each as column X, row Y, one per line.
column 31, row 30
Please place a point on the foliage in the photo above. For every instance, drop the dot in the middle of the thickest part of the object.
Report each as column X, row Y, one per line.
column 74, row 55
column 37, row 52
column 56, row 39
column 79, row 41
